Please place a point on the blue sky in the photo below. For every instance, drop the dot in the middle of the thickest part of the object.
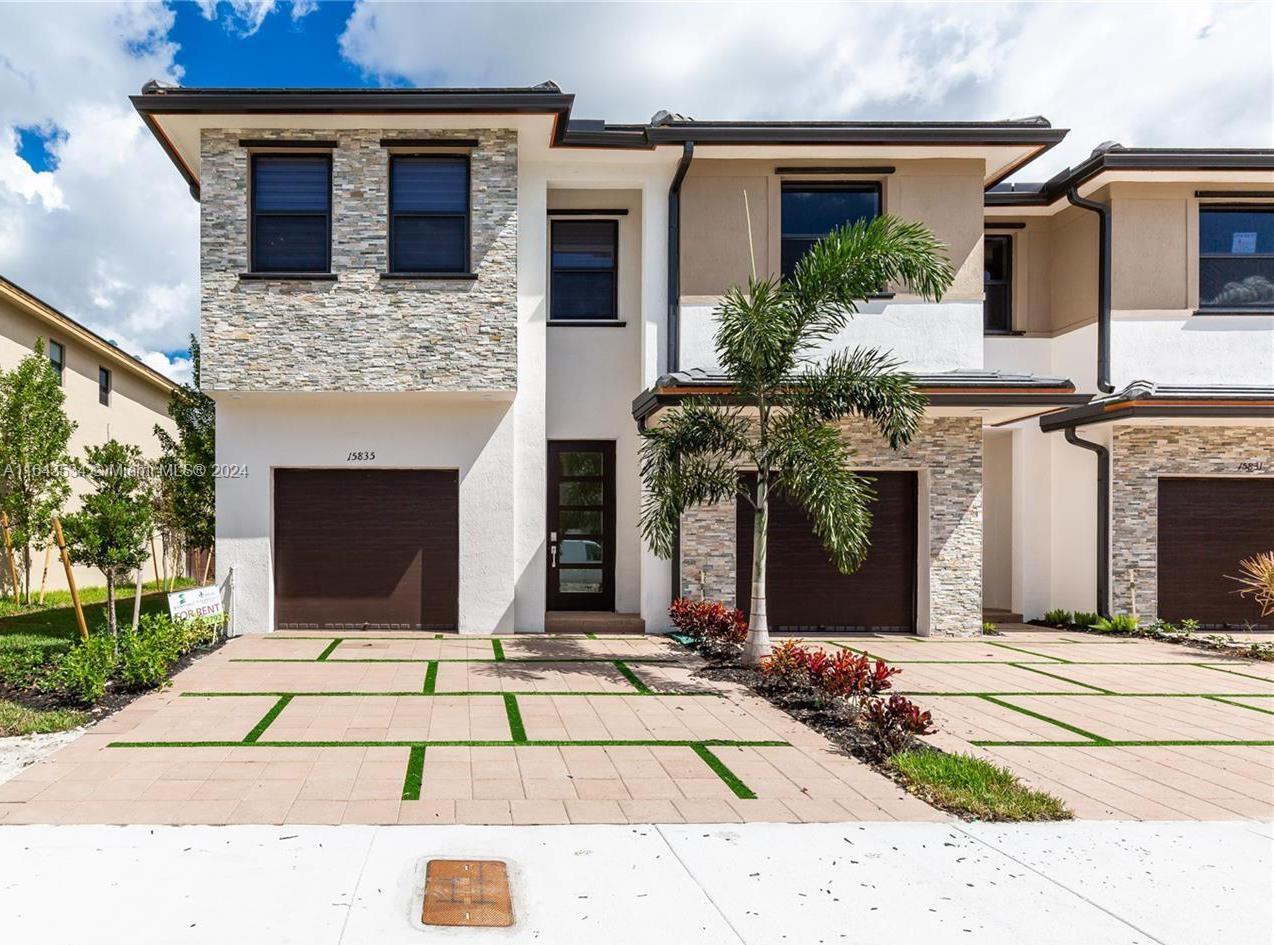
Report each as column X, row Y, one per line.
column 97, row 221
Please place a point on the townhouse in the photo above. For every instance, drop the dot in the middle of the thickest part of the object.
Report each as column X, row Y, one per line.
column 435, row 320
column 109, row 394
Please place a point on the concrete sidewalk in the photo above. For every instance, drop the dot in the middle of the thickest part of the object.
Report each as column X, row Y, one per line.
column 908, row 884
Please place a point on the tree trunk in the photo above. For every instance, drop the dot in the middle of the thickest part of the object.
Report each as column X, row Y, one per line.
column 26, row 573
column 110, row 604
column 758, row 643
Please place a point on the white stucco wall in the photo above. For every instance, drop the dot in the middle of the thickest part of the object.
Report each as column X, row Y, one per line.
column 925, row 336
column 1180, row 349
column 430, row 431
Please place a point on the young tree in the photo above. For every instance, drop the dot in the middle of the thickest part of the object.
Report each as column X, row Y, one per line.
column 187, row 488
column 34, row 465
column 111, row 530
column 788, row 400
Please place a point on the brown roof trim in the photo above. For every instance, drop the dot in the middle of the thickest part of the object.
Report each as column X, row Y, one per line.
column 37, row 307
column 1185, row 408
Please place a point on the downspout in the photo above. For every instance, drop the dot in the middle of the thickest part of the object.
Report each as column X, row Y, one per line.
column 1103, row 517
column 1103, row 286
column 673, row 358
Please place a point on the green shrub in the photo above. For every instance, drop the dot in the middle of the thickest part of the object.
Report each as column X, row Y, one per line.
column 989, row 628
column 82, row 672
column 1059, row 618
column 147, row 653
column 1117, row 623
column 1084, row 618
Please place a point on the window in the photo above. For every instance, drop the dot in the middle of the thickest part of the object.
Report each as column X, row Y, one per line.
column 104, row 386
column 811, row 211
column 429, row 214
column 997, row 281
column 583, row 283
column 1236, row 257
column 291, row 213
column 57, row 357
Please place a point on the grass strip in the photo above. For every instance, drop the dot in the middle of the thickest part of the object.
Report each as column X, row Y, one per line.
column 461, row 692
column 1044, row 718
column 259, row 729
column 973, row 787
column 431, row 680
column 322, row 657
column 1120, row 743
column 1234, row 672
column 1018, row 649
column 18, row 719
column 497, row 648
column 516, row 659
column 633, row 678
column 718, row 766
column 1241, row 705
column 462, row 743
column 1073, row 682
column 1092, row 695
column 415, row 773
column 516, row 728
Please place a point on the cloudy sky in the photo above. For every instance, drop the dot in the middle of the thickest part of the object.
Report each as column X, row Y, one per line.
column 94, row 219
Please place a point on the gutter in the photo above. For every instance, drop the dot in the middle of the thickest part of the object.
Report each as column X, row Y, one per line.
column 1103, row 286
column 1103, row 517
column 673, row 358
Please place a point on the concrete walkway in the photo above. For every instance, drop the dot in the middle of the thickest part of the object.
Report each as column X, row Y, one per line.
column 907, row 884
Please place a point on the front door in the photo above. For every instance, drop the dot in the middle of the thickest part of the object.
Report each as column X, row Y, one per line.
column 581, row 522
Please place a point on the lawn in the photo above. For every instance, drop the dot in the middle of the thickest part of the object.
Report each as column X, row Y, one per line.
column 973, row 787
column 18, row 719
column 56, row 620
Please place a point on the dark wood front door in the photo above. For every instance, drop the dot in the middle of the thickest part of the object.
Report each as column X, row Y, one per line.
column 805, row 592
column 581, row 523
column 366, row 549
column 1206, row 527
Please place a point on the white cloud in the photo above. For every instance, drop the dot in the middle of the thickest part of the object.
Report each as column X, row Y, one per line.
column 1188, row 75
column 246, row 16
column 109, row 235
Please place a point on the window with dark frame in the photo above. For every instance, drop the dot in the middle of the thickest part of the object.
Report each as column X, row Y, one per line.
column 1236, row 257
column 291, row 213
column 812, row 210
column 583, row 285
column 57, row 358
column 997, row 282
column 104, row 386
column 428, row 214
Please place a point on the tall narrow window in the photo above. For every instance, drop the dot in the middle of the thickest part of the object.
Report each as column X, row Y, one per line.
column 291, row 213
column 104, row 386
column 429, row 214
column 811, row 211
column 57, row 358
column 584, row 284
column 997, row 282
column 1236, row 258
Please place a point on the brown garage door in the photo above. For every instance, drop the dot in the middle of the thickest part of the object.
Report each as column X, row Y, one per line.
column 805, row 592
column 358, row 549
column 1206, row 527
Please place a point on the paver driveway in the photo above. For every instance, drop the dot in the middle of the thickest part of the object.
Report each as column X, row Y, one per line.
column 413, row 728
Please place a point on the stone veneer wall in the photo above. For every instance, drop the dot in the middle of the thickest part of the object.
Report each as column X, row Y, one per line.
column 949, row 451
column 1140, row 455
column 359, row 332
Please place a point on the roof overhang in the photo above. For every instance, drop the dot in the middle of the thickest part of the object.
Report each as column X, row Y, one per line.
column 1143, row 400
column 974, row 392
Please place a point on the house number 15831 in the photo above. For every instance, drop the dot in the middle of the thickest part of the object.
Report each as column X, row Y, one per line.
column 360, row 456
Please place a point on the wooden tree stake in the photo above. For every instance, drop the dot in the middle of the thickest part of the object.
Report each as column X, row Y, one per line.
column 44, row 575
column 8, row 550
column 70, row 578
column 207, row 564
column 154, row 559
column 137, row 601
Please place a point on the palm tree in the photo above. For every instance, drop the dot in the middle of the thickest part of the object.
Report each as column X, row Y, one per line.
column 782, row 418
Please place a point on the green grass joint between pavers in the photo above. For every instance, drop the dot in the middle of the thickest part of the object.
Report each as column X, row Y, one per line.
column 1097, row 739
column 632, row 677
column 1074, row 682
column 463, row 743
column 415, row 773
column 1240, row 705
column 497, row 649
column 723, row 772
column 266, row 720
column 1018, row 649
column 431, row 680
column 327, row 651
column 516, row 729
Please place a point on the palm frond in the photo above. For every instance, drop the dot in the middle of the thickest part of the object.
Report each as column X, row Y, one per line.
column 754, row 332
column 864, row 382
column 814, row 473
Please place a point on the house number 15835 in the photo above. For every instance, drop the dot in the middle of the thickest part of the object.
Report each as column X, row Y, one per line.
column 360, row 456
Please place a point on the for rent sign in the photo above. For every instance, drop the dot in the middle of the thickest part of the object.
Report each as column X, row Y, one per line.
column 195, row 602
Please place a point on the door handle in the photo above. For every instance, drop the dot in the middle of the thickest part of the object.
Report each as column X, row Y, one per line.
column 553, row 554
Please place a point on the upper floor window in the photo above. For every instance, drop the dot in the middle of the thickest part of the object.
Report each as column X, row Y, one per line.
column 997, row 281
column 429, row 214
column 583, row 283
column 57, row 358
column 103, row 386
column 812, row 210
column 1236, row 257
column 291, row 213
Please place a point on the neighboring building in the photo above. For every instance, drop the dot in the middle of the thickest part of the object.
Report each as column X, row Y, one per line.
column 109, row 394
column 434, row 321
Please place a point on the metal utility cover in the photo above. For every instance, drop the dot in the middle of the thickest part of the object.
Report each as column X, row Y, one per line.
column 472, row 893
